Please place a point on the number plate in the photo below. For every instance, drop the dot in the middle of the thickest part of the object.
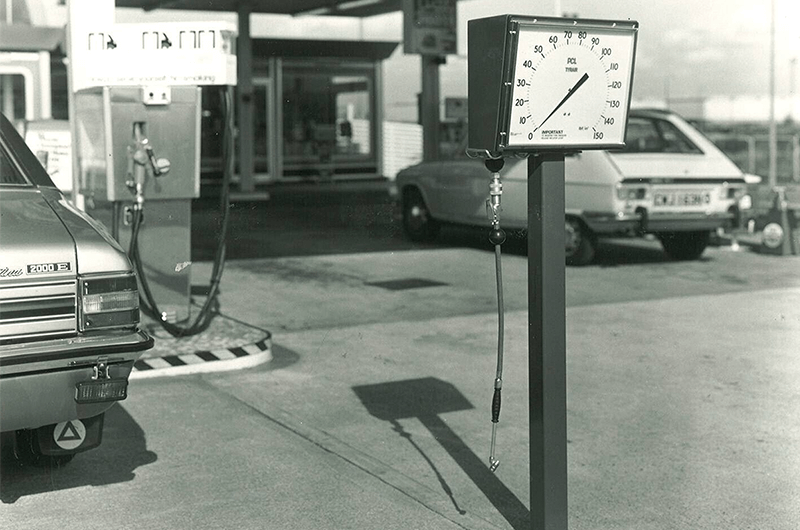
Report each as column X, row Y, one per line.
column 101, row 390
column 681, row 198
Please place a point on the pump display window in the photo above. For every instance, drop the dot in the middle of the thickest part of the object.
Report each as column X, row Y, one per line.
column 327, row 117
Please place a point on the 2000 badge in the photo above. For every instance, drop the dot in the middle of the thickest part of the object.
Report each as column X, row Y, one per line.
column 44, row 268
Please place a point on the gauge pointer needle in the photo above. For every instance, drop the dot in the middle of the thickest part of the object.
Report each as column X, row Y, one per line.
column 571, row 91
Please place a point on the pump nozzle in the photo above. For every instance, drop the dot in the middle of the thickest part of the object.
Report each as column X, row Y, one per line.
column 160, row 165
column 498, row 385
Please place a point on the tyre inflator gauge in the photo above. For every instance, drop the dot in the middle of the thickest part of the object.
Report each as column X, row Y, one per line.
column 544, row 87
column 560, row 84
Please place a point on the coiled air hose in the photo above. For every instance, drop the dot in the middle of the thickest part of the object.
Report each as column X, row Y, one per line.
column 497, row 237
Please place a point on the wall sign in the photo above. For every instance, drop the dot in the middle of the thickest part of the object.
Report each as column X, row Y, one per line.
column 429, row 27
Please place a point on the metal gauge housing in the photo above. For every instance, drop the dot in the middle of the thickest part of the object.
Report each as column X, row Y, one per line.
column 548, row 84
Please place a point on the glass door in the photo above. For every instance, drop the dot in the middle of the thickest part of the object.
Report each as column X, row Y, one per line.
column 13, row 96
column 328, row 118
column 263, row 125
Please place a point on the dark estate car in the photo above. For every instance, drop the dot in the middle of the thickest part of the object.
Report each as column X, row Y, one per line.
column 69, row 314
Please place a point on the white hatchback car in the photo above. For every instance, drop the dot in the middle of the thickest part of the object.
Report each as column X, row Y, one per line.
column 670, row 180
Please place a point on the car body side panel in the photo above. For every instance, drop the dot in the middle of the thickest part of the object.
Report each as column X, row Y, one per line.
column 428, row 175
column 45, row 408
column 31, row 234
column 676, row 166
column 97, row 251
column 37, row 379
column 467, row 188
column 514, row 201
column 590, row 183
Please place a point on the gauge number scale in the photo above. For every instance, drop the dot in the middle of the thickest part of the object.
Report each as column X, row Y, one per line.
column 571, row 85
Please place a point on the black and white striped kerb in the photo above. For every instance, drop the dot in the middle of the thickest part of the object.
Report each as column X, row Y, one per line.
column 171, row 361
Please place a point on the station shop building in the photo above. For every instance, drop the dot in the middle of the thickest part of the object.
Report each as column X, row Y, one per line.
column 317, row 105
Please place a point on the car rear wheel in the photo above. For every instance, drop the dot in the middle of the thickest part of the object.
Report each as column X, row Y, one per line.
column 418, row 223
column 685, row 245
column 28, row 453
column 580, row 242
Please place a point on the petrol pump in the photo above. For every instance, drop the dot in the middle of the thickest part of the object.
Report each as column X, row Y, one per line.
column 138, row 127
column 540, row 88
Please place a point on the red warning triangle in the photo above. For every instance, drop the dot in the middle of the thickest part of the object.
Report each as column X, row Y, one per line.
column 69, row 433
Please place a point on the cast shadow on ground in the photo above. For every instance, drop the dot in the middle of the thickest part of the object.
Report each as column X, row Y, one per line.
column 123, row 450
column 425, row 399
column 281, row 358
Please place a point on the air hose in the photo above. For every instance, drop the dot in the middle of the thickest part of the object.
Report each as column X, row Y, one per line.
column 208, row 310
column 497, row 237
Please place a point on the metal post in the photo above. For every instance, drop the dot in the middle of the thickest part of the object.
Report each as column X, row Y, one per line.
column 377, row 120
column 751, row 154
column 796, row 158
column 773, row 135
column 547, row 342
column 7, row 80
column 430, row 106
column 244, row 74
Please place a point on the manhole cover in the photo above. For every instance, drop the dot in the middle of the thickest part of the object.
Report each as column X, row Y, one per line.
column 406, row 283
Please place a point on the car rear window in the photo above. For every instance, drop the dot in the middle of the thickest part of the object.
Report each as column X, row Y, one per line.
column 8, row 172
column 656, row 136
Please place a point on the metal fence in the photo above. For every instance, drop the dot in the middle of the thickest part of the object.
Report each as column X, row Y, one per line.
column 751, row 154
column 403, row 147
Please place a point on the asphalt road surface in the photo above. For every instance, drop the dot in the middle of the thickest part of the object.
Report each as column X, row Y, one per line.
column 681, row 404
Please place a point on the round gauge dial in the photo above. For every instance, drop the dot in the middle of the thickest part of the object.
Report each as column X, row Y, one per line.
column 571, row 85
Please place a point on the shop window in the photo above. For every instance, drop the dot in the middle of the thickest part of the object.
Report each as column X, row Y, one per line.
column 58, row 89
column 261, row 124
column 213, row 127
column 656, row 136
column 327, row 115
column 212, row 131
column 213, row 123
column 12, row 96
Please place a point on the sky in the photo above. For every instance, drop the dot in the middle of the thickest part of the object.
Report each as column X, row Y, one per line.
column 687, row 49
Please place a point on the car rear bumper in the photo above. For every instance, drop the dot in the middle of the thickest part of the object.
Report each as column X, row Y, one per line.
column 38, row 380
column 644, row 221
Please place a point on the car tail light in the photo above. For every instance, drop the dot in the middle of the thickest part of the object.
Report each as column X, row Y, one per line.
column 108, row 302
column 728, row 192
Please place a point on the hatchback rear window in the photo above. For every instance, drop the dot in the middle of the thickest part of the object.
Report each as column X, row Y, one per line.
column 8, row 172
column 656, row 136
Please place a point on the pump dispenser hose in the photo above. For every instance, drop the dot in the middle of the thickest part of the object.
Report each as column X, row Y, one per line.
column 207, row 311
